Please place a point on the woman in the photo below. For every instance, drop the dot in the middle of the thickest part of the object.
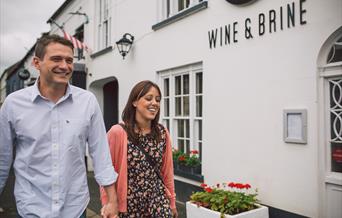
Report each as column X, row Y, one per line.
column 142, row 155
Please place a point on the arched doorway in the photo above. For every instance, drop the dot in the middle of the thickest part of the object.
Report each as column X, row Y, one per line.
column 106, row 91
column 330, row 125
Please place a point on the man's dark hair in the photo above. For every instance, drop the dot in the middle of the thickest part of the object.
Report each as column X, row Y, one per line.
column 45, row 40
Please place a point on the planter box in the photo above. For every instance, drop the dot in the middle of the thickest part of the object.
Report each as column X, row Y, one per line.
column 184, row 168
column 196, row 170
column 175, row 165
column 193, row 211
column 190, row 170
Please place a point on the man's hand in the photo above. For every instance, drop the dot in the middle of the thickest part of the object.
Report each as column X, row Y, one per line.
column 109, row 210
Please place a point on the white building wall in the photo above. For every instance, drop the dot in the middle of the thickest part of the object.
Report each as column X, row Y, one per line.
column 247, row 85
column 69, row 21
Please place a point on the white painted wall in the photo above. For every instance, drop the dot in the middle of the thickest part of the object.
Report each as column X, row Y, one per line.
column 247, row 85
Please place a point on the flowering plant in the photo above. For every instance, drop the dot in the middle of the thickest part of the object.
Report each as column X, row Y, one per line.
column 228, row 198
column 191, row 160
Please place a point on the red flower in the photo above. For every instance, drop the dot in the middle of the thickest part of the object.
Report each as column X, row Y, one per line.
column 247, row 186
column 239, row 186
column 208, row 189
column 194, row 152
column 181, row 158
column 218, row 185
column 231, row 184
column 203, row 185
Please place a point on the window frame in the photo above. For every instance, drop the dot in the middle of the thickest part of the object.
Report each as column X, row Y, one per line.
column 172, row 120
column 168, row 11
column 330, row 123
column 103, row 24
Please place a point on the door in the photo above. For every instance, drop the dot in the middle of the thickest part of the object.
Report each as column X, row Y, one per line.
column 331, row 145
column 110, row 104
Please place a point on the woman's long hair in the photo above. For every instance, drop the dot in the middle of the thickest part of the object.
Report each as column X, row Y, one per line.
column 128, row 114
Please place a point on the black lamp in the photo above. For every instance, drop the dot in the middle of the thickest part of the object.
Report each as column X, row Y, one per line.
column 24, row 74
column 125, row 44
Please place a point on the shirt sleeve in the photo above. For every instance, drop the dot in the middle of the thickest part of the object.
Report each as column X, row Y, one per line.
column 99, row 149
column 6, row 144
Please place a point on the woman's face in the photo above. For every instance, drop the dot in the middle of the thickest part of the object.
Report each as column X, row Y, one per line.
column 147, row 106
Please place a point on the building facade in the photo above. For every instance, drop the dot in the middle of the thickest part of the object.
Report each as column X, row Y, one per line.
column 19, row 75
column 255, row 87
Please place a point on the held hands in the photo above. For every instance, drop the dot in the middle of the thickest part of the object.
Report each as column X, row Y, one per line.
column 109, row 210
column 174, row 213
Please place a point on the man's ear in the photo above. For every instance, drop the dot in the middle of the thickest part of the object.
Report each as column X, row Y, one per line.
column 35, row 62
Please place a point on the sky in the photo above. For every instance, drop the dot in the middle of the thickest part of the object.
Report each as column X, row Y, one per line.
column 21, row 23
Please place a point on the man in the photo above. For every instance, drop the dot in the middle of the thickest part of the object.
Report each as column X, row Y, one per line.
column 49, row 124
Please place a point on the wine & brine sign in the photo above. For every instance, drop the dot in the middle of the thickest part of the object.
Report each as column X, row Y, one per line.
column 278, row 19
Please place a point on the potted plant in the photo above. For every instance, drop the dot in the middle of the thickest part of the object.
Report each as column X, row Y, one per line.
column 189, row 163
column 229, row 200
column 175, row 156
column 194, row 162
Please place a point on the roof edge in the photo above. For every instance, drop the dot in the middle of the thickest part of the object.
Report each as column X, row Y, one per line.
column 59, row 10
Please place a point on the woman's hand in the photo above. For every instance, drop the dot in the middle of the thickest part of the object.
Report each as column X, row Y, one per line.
column 109, row 211
column 174, row 213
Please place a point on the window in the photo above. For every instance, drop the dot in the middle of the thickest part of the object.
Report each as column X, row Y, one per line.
column 172, row 7
column 335, row 54
column 182, row 104
column 171, row 11
column 182, row 4
column 103, row 24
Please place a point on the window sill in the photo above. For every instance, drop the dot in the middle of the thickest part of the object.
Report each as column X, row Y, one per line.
column 181, row 15
column 101, row 52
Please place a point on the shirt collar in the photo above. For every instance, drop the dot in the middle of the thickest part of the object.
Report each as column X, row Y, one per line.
column 36, row 93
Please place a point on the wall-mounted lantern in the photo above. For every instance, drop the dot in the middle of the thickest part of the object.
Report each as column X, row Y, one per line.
column 125, row 44
column 24, row 74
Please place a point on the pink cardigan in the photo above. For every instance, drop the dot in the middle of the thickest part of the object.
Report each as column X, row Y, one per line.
column 117, row 139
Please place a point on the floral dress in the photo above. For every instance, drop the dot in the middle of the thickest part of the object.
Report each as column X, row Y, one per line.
column 146, row 194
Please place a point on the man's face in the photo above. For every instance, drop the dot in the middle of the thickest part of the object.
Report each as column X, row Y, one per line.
column 56, row 66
